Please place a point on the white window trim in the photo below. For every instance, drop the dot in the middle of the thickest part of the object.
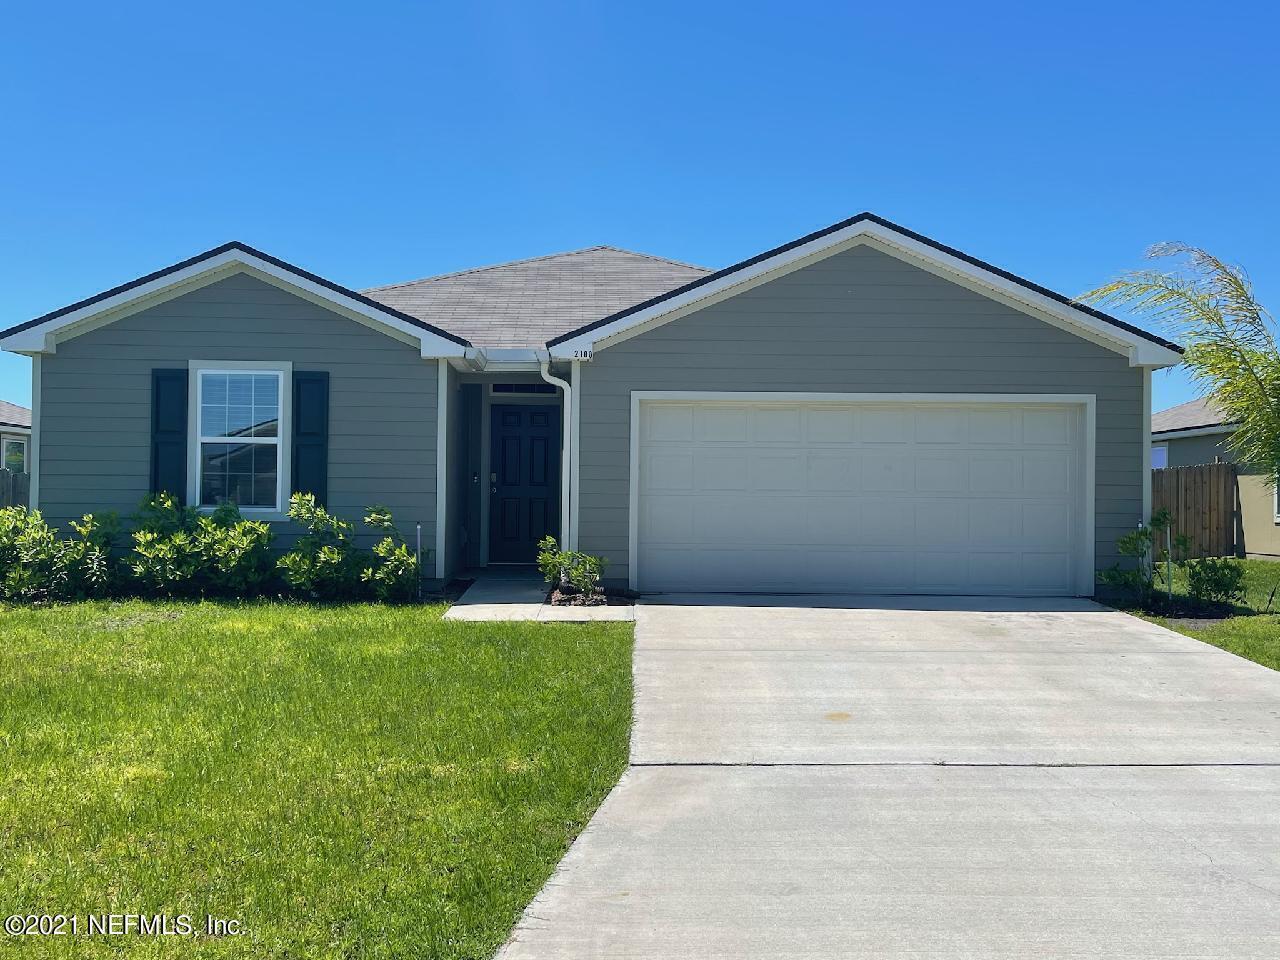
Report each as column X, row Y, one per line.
column 1154, row 448
column 284, row 369
column 1086, row 402
column 4, row 453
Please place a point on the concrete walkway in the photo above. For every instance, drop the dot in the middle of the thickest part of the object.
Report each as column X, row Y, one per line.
column 896, row 778
column 519, row 593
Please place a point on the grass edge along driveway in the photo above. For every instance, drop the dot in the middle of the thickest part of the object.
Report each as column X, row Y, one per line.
column 1254, row 635
column 352, row 781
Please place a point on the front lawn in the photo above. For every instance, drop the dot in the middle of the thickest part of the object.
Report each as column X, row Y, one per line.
column 354, row 781
column 1255, row 634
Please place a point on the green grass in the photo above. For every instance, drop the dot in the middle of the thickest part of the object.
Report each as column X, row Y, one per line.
column 354, row 781
column 1256, row 637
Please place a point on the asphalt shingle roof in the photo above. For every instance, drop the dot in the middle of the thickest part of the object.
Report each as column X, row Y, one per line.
column 1201, row 412
column 528, row 302
column 12, row 415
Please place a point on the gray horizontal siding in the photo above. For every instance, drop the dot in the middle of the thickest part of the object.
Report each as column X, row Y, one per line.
column 859, row 321
column 95, row 437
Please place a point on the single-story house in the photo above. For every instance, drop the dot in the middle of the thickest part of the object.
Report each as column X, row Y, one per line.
column 15, row 435
column 1197, row 432
column 861, row 409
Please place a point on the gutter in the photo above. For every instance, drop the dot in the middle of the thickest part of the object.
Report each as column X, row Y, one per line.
column 566, row 439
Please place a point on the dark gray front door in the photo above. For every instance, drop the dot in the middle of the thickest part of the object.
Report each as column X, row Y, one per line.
column 524, row 489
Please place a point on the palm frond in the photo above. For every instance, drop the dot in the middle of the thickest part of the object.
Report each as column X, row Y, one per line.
column 1231, row 347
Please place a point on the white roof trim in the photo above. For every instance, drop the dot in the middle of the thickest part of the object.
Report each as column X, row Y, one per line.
column 44, row 337
column 1140, row 351
column 1160, row 436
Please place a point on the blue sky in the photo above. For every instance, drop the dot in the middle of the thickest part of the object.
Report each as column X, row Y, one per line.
column 378, row 142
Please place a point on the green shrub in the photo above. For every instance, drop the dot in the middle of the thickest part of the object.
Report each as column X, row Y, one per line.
column 569, row 569
column 235, row 553
column 393, row 573
column 36, row 565
column 323, row 564
column 1150, row 558
column 165, row 559
column 1216, row 580
column 90, row 568
column 177, row 551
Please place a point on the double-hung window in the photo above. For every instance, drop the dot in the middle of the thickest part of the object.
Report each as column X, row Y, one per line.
column 15, row 455
column 240, row 442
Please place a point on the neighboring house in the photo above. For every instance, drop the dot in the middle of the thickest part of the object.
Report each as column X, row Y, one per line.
column 1197, row 432
column 862, row 409
column 15, row 436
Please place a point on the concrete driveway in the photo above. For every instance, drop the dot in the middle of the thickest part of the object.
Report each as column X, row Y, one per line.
column 887, row 777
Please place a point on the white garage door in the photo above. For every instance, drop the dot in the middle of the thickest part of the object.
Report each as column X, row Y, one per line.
column 863, row 497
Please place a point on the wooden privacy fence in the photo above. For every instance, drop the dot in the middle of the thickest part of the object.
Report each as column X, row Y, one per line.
column 14, row 488
column 1204, row 503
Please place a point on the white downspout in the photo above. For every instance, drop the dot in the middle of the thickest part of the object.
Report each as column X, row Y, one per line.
column 566, row 441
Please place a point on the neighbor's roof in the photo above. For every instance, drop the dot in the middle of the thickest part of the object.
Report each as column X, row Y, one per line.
column 1192, row 415
column 529, row 302
column 12, row 415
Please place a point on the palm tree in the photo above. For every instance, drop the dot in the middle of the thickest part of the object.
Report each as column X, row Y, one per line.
column 1230, row 341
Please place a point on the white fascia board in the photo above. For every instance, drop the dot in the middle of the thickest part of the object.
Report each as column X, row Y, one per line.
column 1160, row 436
column 1138, row 350
column 45, row 337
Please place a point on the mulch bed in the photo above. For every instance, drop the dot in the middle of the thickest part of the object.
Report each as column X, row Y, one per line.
column 608, row 597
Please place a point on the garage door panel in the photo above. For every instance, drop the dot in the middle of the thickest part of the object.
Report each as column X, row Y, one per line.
column 715, row 470
column 946, row 427
column 1045, row 570
column 884, row 470
column 1046, row 522
column 1048, row 427
column 668, row 422
column 831, row 521
column 995, row 426
column 716, row 423
column 942, row 474
column 941, row 522
column 942, row 571
column 994, row 475
column 1046, row 473
column 777, row 472
column 848, row 497
column 831, row 472
column 775, row 424
column 837, row 424
column 884, row 521
column 992, row 523
column 884, row 425
column 991, row 571
column 670, row 471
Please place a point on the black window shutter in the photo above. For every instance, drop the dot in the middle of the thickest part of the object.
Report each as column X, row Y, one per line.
column 311, row 433
column 169, row 432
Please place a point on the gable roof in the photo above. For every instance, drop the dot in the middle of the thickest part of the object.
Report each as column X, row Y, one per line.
column 31, row 336
column 1199, row 414
column 866, row 225
column 525, row 303
column 13, row 415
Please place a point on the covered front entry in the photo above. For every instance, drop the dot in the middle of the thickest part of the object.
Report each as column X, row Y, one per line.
column 861, row 494
column 505, row 478
column 524, row 479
